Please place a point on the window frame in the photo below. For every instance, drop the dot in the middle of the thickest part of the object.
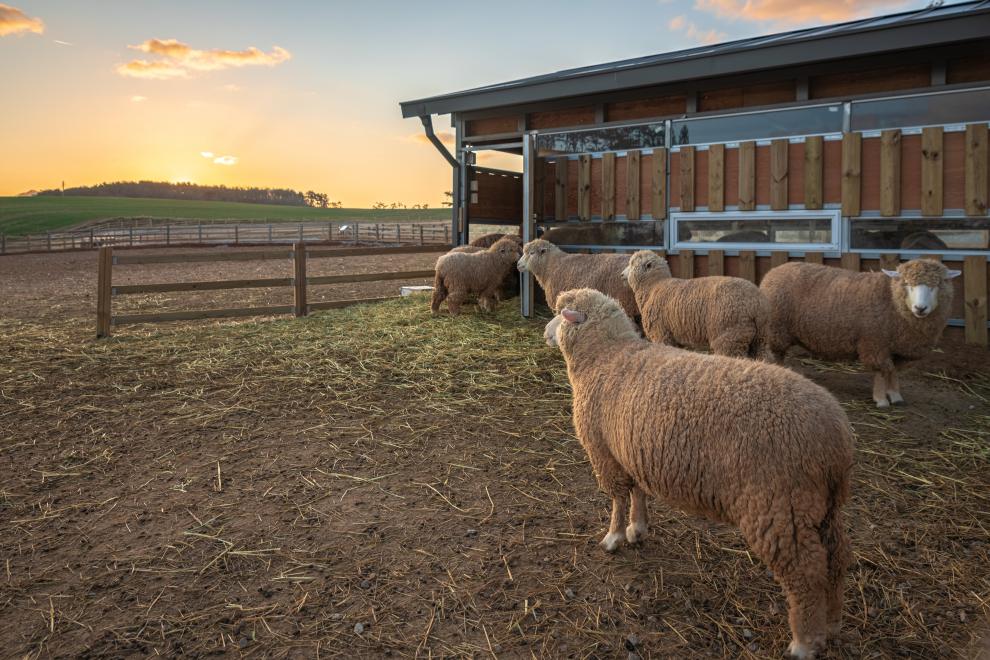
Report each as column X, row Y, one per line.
column 833, row 215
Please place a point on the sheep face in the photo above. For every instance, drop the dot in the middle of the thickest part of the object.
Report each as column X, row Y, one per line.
column 644, row 266
column 584, row 310
column 534, row 253
column 506, row 248
column 916, row 285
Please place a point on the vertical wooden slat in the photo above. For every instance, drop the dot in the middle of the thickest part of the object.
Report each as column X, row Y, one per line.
column 104, row 284
column 813, row 162
column 747, row 265
column 747, row 176
column 685, row 265
column 777, row 259
column 778, row 174
column 659, row 184
column 931, row 171
column 889, row 261
column 686, row 159
column 584, row 187
column 716, row 262
column 299, row 279
column 608, row 186
column 716, row 177
column 976, row 169
column 814, row 257
column 852, row 172
column 632, row 185
column 850, row 261
column 975, row 294
column 560, row 190
column 890, row 173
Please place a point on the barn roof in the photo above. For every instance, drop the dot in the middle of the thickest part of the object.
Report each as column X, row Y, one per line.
column 932, row 26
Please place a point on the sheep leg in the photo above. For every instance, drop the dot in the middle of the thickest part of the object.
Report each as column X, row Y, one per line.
column 894, row 388
column 637, row 516
column 454, row 301
column 733, row 342
column 839, row 553
column 620, row 504
column 803, row 578
column 880, row 390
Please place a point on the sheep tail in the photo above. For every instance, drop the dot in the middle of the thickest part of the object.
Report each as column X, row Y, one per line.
column 440, row 292
column 832, row 530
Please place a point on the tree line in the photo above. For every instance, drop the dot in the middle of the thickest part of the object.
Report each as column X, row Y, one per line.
column 194, row 191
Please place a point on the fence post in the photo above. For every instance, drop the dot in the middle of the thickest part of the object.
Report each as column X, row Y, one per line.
column 329, row 232
column 237, row 234
column 131, row 234
column 357, row 232
column 421, row 234
column 299, row 279
column 446, row 234
column 48, row 240
column 200, row 239
column 300, row 232
column 103, row 291
column 3, row 243
column 269, row 233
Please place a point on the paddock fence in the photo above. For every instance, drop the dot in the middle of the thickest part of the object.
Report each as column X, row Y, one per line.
column 227, row 233
column 299, row 253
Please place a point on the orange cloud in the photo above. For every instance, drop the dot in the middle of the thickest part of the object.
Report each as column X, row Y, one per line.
column 14, row 21
column 420, row 138
column 693, row 32
column 179, row 59
column 788, row 12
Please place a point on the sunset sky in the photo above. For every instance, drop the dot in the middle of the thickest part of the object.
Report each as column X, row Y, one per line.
column 305, row 95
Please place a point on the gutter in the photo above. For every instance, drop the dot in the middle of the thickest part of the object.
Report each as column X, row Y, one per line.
column 432, row 137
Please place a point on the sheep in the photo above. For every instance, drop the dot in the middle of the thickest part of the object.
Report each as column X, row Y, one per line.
column 459, row 274
column 510, row 285
column 556, row 271
column 488, row 240
column 727, row 314
column 738, row 441
column 884, row 320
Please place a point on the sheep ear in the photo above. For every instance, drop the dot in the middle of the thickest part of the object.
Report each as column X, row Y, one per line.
column 952, row 274
column 573, row 317
column 891, row 273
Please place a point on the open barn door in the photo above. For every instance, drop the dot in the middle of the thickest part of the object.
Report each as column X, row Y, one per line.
column 495, row 196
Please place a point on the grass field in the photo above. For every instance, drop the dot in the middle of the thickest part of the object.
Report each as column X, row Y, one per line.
column 28, row 215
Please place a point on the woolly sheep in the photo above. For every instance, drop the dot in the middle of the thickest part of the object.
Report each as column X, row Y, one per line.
column 488, row 240
column 556, row 271
column 727, row 314
column 882, row 319
column 459, row 274
column 510, row 285
column 738, row 441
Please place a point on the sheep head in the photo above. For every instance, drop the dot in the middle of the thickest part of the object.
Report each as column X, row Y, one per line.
column 534, row 254
column 644, row 267
column 918, row 284
column 506, row 248
column 587, row 313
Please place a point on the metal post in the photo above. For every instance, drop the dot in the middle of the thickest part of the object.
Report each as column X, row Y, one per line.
column 529, row 214
column 299, row 279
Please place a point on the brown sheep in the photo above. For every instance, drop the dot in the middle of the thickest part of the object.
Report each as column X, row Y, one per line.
column 488, row 240
column 737, row 441
column 727, row 314
column 460, row 274
column 557, row 271
column 884, row 320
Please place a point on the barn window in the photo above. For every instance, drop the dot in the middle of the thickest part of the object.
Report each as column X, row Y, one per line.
column 919, row 234
column 647, row 234
column 814, row 120
column 613, row 138
column 796, row 230
column 921, row 110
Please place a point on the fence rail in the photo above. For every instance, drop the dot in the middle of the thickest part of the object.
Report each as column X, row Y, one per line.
column 281, row 233
column 300, row 282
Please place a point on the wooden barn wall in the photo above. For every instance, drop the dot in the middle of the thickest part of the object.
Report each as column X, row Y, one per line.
column 495, row 196
column 491, row 126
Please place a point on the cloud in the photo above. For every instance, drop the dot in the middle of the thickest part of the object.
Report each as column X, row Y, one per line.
column 175, row 56
column 138, row 99
column 788, row 12
column 693, row 32
column 225, row 160
column 446, row 137
column 206, row 154
column 62, row 43
column 14, row 21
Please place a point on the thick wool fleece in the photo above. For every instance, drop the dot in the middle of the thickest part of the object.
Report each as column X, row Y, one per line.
column 739, row 441
column 488, row 240
column 727, row 314
column 840, row 315
column 460, row 274
column 557, row 271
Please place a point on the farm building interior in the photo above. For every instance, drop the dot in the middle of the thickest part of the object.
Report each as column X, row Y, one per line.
column 858, row 145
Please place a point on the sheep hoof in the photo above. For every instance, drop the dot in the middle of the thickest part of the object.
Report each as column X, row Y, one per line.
column 896, row 399
column 883, row 403
column 635, row 532
column 611, row 541
column 802, row 651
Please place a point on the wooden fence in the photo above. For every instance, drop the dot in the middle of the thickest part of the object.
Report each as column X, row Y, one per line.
column 222, row 233
column 299, row 253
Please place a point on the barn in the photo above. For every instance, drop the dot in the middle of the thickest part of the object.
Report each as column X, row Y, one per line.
column 857, row 145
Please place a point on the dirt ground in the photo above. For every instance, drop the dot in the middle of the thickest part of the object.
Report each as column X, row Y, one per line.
column 373, row 482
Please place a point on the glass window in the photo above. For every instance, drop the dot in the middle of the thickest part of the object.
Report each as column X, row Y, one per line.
column 616, row 138
column 645, row 233
column 758, row 125
column 939, row 234
column 925, row 110
column 793, row 229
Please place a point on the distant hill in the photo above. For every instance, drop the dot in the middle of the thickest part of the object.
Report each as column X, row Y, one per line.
column 190, row 191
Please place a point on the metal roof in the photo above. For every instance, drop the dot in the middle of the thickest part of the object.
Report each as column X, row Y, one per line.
column 932, row 26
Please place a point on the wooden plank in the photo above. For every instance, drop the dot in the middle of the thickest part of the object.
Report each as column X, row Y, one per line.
column 889, row 261
column 975, row 294
column 608, row 186
column 814, row 257
column 252, row 255
column 747, row 176
column 852, row 172
column 814, row 148
column 338, row 304
column 931, row 170
column 632, row 185
column 584, row 187
column 369, row 277
column 685, row 264
column 659, row 184
column 192, row 315
column 777, row 259
column 976, row 169
column 299, row 279
column 104, row 283
column 686, row 159
column 716, row 262
column 716, row 177
column 778, row 174
column 747, row 265
column 215, row 285
column 850, row 261
column 890, row 173
column 560, row 190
